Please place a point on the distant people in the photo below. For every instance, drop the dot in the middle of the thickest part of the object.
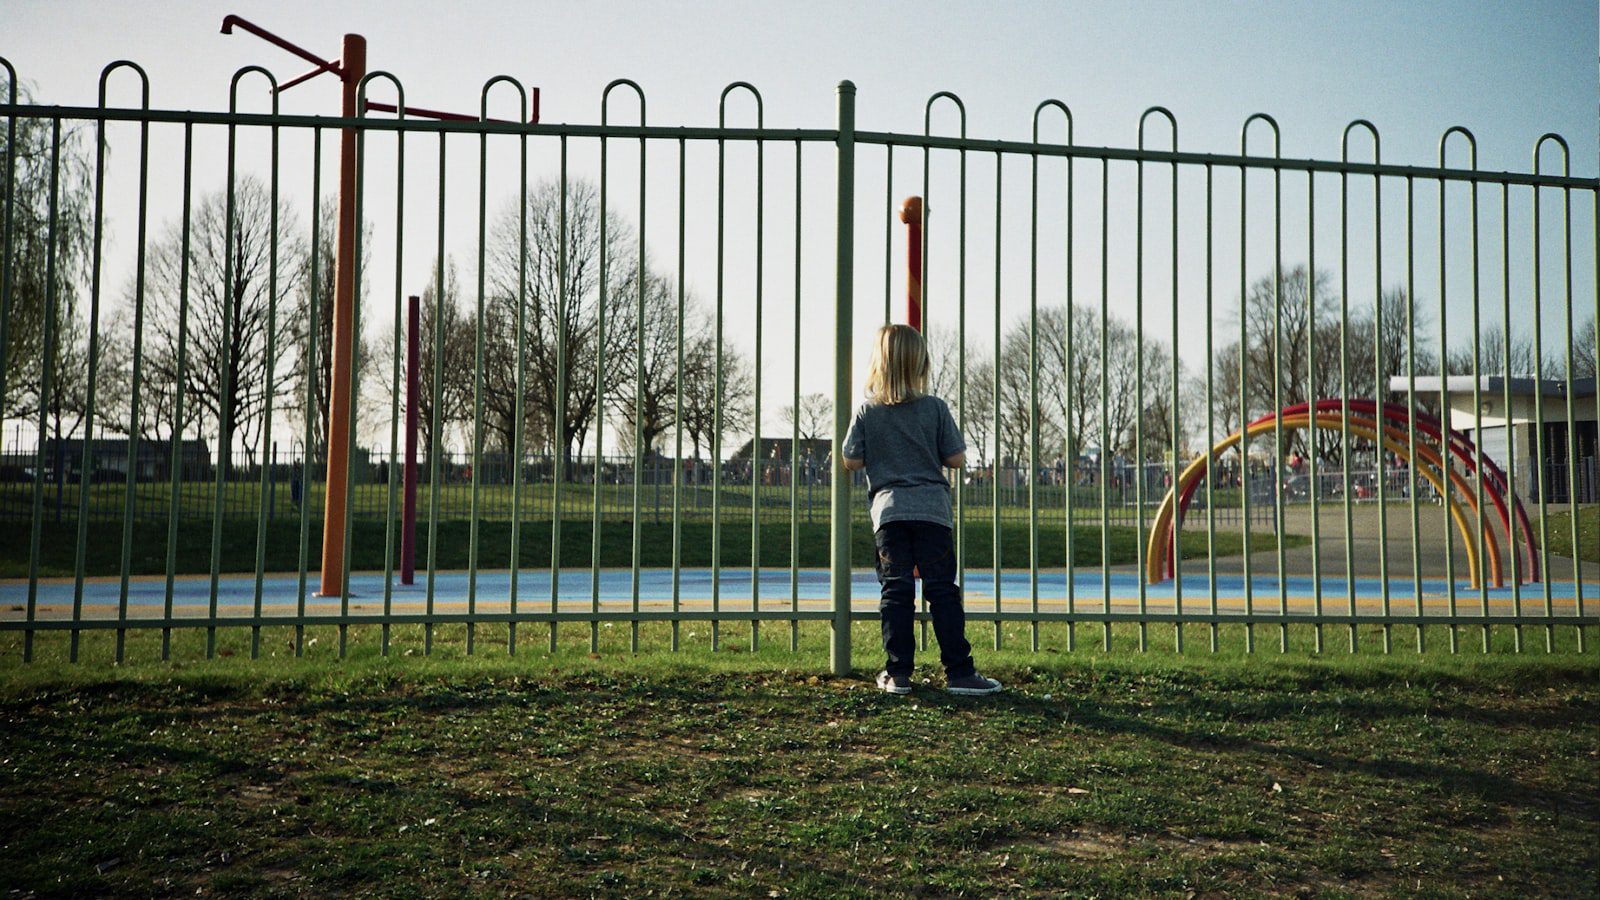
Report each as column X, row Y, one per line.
column 904, row 438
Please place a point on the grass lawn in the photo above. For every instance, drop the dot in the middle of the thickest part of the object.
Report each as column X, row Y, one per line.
column 1588, row 532
column 754, row 774
column 282, row 551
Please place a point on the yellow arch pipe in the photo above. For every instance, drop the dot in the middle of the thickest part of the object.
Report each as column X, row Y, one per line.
column 1157, row 545
column 1391, row 439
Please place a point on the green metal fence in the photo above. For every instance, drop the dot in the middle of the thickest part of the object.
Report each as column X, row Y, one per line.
column 1107, row 353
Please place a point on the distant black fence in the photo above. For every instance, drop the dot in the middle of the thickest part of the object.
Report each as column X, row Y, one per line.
column 277, row 485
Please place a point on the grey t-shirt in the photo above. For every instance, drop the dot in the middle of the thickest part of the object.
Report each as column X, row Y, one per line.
column 905, row 445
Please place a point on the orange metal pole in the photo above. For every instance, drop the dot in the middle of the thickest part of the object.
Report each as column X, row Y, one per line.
column 911, row 214
column 353, row 67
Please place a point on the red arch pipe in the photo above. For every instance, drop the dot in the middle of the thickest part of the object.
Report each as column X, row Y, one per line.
column 1458, row 444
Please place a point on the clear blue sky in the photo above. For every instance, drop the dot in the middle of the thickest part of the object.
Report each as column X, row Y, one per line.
column 1510, row 72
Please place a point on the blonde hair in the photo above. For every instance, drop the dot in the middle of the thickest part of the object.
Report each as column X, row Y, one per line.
column 898, row 370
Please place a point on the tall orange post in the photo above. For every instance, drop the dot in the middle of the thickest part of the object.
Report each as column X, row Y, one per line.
column 911, row 214
column 353, row 67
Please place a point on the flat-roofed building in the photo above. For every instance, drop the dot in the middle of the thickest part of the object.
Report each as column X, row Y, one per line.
column 1511, row 436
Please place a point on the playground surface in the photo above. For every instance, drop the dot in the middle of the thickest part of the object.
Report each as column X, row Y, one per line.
column 776, row 589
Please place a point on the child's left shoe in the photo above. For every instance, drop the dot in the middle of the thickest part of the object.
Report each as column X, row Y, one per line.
column 973, row 685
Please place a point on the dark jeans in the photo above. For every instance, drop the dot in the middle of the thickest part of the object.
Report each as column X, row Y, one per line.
column 928, row 548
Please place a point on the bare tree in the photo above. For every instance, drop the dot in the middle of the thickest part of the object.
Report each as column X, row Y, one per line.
column 1073, row 363
column 238, row 321
column 701, row 395
column 315, row 296
column 1018, row 373
column 650, row 396
column 813, row 418
column 442, row 324
column 569, row 294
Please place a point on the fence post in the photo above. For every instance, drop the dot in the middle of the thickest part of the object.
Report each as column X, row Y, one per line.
column 843, row 311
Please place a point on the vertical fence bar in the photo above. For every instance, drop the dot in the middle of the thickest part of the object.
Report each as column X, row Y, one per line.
column 1541, row 452
column 436, row 414
column 843, row 311
column 888, row 230
column 225, row 395
column 1073, row 440
column 475, row 512
column 961, row 310
column 1477, row 381
column 1312, row 469
column 266, row 420
column 1344, row 401
column 1277, row 399
column 1344, row 385
column 354, row 388
column 1572, row 454
column 1211, row 414
column 677, row 416
column 1411, row 404
column 994, row 471
column 174, row 508
column 1244, row 372
column 1380, row 388
column 88, row 466
column 717, row 386
column 1594, row 206
column 7, row 248
column 639, row 376
column 47, row 362
column 130, row 498
column 1176, row 401
column 599, row 395
column 1446, row 496
column 1477, row 415
column 1138, row 389
column 755, row 440
column 6, row 251
column 794, row 438
column 520, row 385
column 394, row 384
column 1505, row 388
column 1105, row 402
column 755, row 437
column 1033, row 391
column 1177, row 520
column 562, row 302
column 312, row 366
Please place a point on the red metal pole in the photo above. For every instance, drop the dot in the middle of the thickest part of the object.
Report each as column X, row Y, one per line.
column 353, row 67
column 911, row 214
column 408, row 526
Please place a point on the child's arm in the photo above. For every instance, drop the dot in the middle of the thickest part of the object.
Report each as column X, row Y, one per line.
column 853, row 452
column 952, row 447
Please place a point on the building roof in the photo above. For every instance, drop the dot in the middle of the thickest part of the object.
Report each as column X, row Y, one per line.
column 1519, row 385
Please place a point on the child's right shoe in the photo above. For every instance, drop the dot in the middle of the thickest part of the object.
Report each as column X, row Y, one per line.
column 973, row 685
column 894, row 684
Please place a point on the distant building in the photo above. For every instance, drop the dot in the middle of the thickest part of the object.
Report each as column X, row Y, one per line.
column 1511, row 436
column 108, row 459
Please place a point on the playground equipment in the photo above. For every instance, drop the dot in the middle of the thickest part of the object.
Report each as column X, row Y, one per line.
column 911, row 215
column 351, row 68
column 1390, row 426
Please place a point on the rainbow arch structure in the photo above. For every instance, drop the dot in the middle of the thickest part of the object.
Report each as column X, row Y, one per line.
column 1388, row 424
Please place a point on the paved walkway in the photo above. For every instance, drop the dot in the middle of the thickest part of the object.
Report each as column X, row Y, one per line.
column 1117, row 591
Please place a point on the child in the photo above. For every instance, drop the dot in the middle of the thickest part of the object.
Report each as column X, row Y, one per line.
column 901, row 436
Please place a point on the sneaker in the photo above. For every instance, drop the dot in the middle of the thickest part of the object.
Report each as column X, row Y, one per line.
column 973, row 685
column 894, row 684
